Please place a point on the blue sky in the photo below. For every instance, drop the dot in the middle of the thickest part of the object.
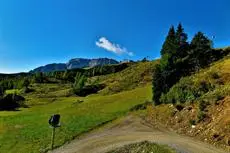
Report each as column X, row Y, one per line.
column 38, row 32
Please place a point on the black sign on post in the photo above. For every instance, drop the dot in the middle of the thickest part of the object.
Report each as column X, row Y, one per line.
column 54, row 121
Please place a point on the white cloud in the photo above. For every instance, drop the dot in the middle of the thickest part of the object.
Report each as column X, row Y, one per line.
column 115, row 48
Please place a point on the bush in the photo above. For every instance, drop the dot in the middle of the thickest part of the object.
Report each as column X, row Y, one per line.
column 192, row 122
column 187, row 89
column 201, row 116
column 141, row 106
column 179, row 107
column 218, row 94
column 214, row 75
column 11, row 102
column 202, row 105
column 27, row 90
column 180, row 93
column 90, row 89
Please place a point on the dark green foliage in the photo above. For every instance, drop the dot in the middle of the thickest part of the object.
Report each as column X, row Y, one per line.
column 170, row 69
column 11, row 102
column 179, row 59
column 200, row 52
column 89, row 89
column 169, row 45
column 106, row 69
column 141, row 106
column 181, row 36
column 27, row 90
column 180, row 93
column 26, row 83
column 69, row 75
column 201, row 116
column 214, row 75
column 1, row 91
column 192, row 122
column 186, row 91
column 179, row 107
column 39, row 77
column 157, row 85
column 202, row 105
column 79, row 82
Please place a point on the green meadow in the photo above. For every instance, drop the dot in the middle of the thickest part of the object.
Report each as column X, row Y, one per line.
column 27, row 130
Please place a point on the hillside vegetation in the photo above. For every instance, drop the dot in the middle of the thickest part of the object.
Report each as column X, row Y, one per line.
column 190, row 90
column 137, row 74
column 201, row 105
column 209, row 84
column 27, row 129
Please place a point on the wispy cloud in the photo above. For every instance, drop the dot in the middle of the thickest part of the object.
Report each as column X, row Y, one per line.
column 115, row 48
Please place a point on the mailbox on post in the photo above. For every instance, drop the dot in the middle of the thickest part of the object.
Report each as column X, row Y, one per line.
column 54, row 121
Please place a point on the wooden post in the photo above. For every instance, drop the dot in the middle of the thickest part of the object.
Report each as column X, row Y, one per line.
column 52, row 138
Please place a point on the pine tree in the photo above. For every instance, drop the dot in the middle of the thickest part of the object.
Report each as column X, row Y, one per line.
column 79, row 83
column 200, row 41
column 169, row 46
column 26, row 83
column 181, row 36
column 200, row 52
column 169, row 70
column 157, row 85
column 162, row 73
column 181, row 41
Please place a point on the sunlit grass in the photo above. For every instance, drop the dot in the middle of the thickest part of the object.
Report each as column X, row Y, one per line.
column 28, row 130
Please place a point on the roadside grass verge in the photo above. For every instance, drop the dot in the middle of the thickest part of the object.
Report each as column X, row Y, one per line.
column 143, row 147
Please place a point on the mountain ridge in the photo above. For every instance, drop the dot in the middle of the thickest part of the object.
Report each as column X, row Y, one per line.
column 74, row 64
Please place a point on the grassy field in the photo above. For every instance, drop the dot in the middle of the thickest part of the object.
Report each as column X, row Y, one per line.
column 144, row 147
column 27, row 130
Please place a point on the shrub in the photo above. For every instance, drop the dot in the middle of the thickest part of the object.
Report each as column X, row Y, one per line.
column 179, row 107
column 192, row 122
column 201, row 116
column 214, row 75
column 10, row 102
column 180, row 93
column 141, row 106
column 87, row 90
column 202, row 105
column 218, row 94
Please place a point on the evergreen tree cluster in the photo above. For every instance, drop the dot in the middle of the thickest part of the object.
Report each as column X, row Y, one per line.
column 180, row 58
column 13, row 83
column 69, row 75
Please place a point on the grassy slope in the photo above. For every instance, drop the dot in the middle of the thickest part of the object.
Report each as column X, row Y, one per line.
column 214, row 128
column 138, row 74
column 27, row 130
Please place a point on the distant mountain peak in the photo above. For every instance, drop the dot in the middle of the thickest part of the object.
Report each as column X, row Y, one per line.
column 75, row 63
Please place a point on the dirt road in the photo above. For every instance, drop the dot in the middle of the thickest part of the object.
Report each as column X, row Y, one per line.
column 129, row 130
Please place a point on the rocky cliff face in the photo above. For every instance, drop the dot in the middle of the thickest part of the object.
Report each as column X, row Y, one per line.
column 81, row 62
column 75, row 63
